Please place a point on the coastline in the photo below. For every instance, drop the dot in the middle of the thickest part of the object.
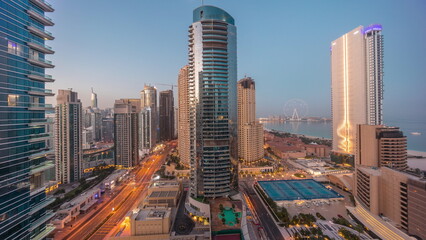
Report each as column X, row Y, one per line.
column 411, row 153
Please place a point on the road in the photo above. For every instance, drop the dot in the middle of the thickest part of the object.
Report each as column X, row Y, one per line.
column 112, row 213
column 262, row 213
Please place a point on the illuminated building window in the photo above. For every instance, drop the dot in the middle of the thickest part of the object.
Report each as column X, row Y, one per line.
column 12, row 99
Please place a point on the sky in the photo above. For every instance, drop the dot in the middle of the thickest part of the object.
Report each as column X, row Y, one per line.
column 117, row 46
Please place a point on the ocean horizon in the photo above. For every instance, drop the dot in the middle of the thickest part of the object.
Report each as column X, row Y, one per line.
column 322, row 129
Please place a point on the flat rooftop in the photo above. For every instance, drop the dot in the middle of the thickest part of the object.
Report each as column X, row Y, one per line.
column 289, row 190
column 164, row 184
column 152, row 214
column 156, row 194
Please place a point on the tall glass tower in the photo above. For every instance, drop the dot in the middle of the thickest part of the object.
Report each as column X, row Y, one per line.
column 213, row 102
column 23, row 126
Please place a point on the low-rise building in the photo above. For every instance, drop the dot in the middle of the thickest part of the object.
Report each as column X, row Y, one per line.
column 321, row 151
column 109, row 182
column 256, row 170
column 150, row 222
column 163, row 194
column 81, row 204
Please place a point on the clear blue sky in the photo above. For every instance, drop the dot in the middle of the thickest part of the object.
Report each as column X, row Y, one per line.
column 117, row 46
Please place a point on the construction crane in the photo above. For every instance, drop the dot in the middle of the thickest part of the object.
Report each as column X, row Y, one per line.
column 167, row 84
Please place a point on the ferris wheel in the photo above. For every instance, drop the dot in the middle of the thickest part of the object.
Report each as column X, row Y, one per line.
column 295, row 109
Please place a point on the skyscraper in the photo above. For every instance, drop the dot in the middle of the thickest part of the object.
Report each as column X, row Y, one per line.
column 126, row 137
column 94, row 99
column 23, row 124
column 93, row 122
column 213, row 102
column 183, row 116
column 167, row 125
column 357, row 84
column 145, row 130
column 148, row 103
column 68, row 137
column 250, row 132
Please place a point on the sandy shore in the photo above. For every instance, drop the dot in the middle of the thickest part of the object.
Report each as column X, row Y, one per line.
column 416, row 153
column 297, row 134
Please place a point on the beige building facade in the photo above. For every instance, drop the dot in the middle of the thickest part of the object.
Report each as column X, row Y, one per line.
column 183, row 116
column 68, row 137
column 357, row 84
column 250, row 132
column 396, row 195
column 381, row 146
column 126, row 128
column 163, row 194
column 150, row 222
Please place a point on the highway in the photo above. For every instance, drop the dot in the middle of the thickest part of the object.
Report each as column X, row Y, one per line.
column 112, row 213
column 262, row 213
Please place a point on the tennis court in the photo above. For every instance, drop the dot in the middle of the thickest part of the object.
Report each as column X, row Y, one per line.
column 288, row 190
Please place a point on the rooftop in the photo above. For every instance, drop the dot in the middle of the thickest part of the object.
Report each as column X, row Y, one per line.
column 207, row 12
column 156, row 194
column 152, row 214
column 164, row 184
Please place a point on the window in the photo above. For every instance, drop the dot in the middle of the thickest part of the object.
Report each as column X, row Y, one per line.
column 13, row 48
column 12, row 99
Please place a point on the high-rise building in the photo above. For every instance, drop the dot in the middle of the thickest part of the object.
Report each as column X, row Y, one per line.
column 380, row 146
column 250, row 132
column 167, row 112
column 213, row 103
column 94, row 99
column 149, row 97
column 148, row 107
column 145, row 130
column 23, row 135
column 68, row 137
column 93, row 122
column 183, row 116
column 126, row 137
column 357, row 84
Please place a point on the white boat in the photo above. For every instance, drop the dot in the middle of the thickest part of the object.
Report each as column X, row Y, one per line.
column 416, row 133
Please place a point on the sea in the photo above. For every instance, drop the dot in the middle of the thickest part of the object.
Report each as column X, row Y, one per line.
column 322, row 129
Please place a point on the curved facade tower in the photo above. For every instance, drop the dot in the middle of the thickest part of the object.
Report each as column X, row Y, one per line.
column 212, row 81
column 357, row 84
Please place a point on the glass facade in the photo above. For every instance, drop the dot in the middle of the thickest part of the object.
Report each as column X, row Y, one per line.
column 23, row 135
column 213, row 103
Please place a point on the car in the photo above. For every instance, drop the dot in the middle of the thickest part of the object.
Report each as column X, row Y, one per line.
column 340, row 216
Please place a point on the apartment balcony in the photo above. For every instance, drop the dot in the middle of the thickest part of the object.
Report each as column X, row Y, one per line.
column 49, row 214
column 34, row 29
column 40, row 106
column 46, row 21
column 39, row 137
column 41, row 167
column 42, row 205
column 40, row 77
column 42, row 235
column 41, row 92
column 40, row 62
column 41, row 154
column 43, row 5
column 38, row 122
column 40, row 47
